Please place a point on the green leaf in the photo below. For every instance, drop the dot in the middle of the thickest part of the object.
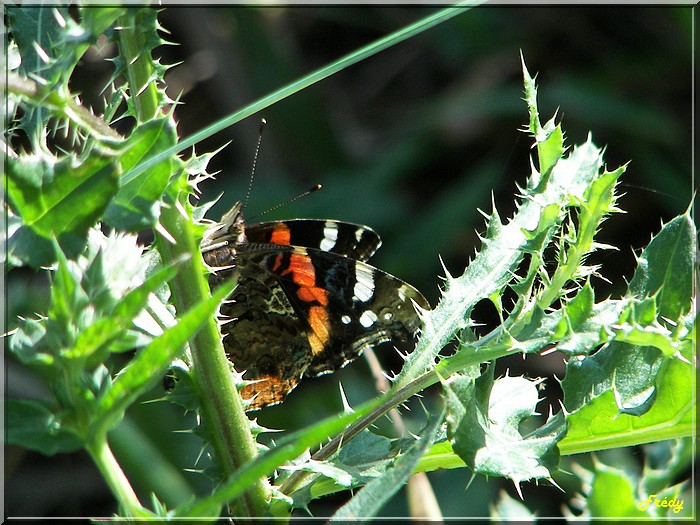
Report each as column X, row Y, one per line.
column 619, row 492
column 32, row 424
column 665, row 268
column 638, row 326
column 372, row 497
column 94, row 302
column 60, row 199
column 630, row 370
column 363, row 458
column 51, row 44
column 483, row 425
column 440, row 455
column 550, row 138
column 34, row 27
column 630, row 363
column 111, row 267
column 599, row 425
column 35, row 31
column 137, row 204
column 151, row 362
column 337, row 475
column 68, row 299
column 666, row 462
column 612, row 494
column 531, row 229
column 365, row 455
column 26, row 343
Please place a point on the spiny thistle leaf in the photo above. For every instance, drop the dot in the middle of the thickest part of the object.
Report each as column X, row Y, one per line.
column 547, row 198
column 611, row 492
column 665, row 268
column 640, row 342
column 57, row 198
column 370, row 499
column 665, row 462
column 92, row 312
column 364, row 458
column 51, row 44
column 483, row 420
column 598, row 422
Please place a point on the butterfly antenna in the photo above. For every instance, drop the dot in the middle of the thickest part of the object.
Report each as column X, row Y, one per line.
column 263, row 123
column 311, row 190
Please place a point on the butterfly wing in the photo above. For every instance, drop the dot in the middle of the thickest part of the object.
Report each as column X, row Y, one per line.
column 306, row 303
column 299, row 311
column 343, row 238
column 261, row 335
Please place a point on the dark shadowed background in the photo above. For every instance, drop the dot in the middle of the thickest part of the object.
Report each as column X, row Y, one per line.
column 410, row 142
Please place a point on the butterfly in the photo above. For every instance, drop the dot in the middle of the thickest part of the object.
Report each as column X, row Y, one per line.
column 306, row 302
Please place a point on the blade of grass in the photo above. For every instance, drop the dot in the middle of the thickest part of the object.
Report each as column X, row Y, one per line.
column 304, row 82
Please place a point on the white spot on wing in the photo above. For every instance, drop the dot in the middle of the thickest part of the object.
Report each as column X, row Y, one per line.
column 345, row 319
column 368, row 318
column 330, row 236
column 358, row 234
column 364, row 287
column 404, row 292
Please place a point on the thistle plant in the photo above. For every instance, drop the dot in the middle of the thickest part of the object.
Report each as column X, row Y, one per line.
column 121, row 314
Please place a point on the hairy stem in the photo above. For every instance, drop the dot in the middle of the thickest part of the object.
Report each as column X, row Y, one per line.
column 222, row 406
column 221, row 403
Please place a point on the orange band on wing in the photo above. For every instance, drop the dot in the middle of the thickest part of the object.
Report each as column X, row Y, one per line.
column 304, row 275
column 319, row 336
column 281, row 235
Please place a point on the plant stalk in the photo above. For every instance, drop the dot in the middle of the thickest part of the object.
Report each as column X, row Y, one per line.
column 64, row 104
column 114, row 476
column 222, row 406
column 221, row 403
column 131, row 42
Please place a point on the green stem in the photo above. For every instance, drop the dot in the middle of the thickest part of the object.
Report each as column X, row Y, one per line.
column 222, row 406
column 221, row 403
column 131, row 41
column 114, row 476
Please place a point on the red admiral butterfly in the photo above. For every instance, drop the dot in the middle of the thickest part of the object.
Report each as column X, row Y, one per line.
column 306, row 303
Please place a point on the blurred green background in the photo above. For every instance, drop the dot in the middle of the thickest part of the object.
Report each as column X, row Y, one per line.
column 410, row 142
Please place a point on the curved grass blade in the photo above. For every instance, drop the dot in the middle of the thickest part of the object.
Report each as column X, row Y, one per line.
column 304, row 82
